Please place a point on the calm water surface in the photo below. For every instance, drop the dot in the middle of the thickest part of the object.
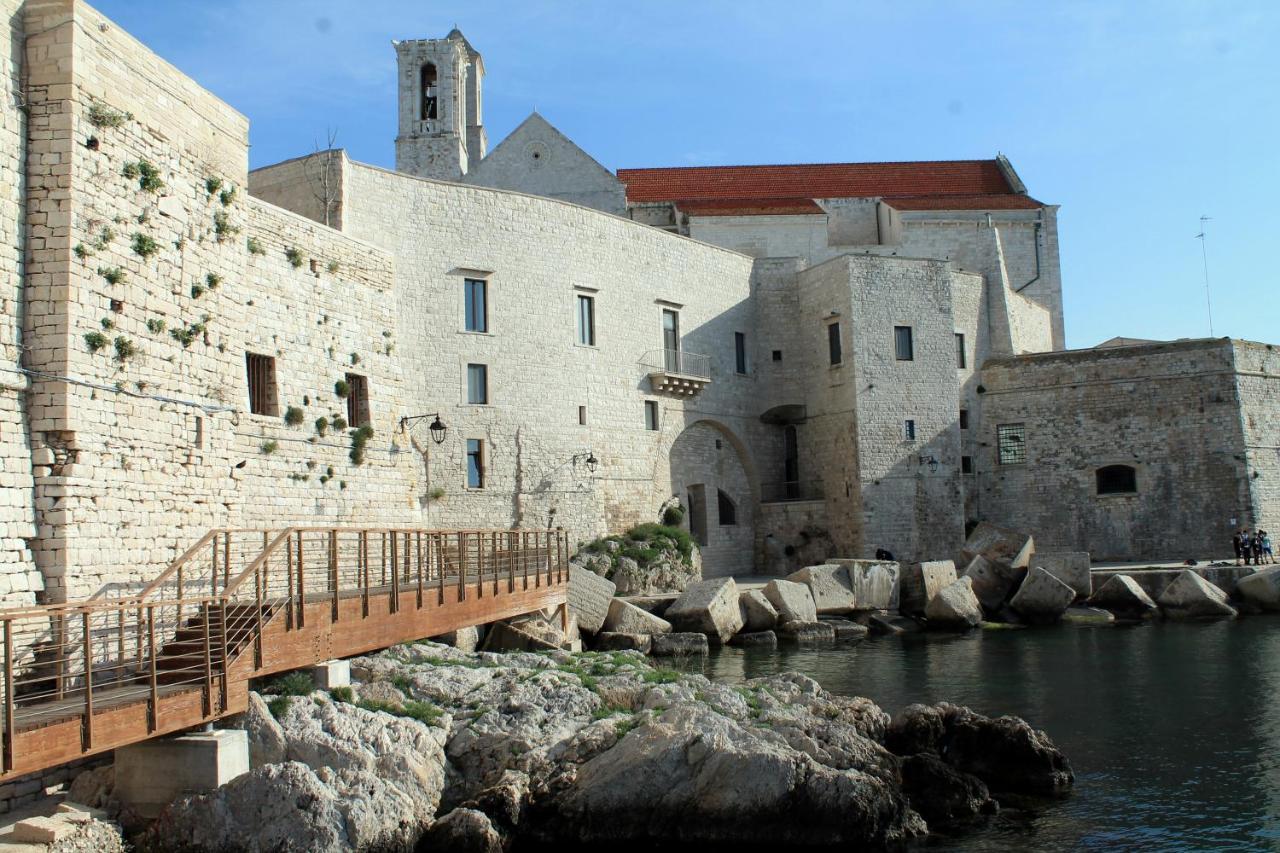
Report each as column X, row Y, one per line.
column 1173, row 729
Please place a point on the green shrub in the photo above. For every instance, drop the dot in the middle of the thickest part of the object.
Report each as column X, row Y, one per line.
column 254, row 247
column 359, row 439
column 294, row 256
column 293, row 416
column 81, row 251
column 147, row 175
column 649, row 532
column 155, row 325
column 227, row 196
column 423, row 712
column 279, row 706
column 672, row 516
column 100, row 115
column 95, row 341
column 222, row 227
column 212, row 184
column 196, row 291
column 332, row 267
column 293, row 684
column 343, row 694
column 107, row 323
column 322, row 426
column 113, row 275
column 144, row 245
column 339, row 423
column 661, row 676
column 125, row 348
column 269, row 447
column 212, row 280
column 341, row 389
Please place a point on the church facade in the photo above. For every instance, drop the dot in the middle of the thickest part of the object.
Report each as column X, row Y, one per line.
column 813, row 360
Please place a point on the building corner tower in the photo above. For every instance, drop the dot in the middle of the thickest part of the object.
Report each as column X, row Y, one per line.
column 441, row 132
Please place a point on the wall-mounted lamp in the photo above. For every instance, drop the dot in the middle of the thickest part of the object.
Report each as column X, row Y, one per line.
column 590, row 459
column 438, row 429
column 930, row 461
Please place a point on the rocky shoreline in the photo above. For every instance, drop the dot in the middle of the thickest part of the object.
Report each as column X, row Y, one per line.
column 435, row 748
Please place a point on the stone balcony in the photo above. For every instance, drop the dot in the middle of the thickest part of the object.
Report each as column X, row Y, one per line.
column 677, row 372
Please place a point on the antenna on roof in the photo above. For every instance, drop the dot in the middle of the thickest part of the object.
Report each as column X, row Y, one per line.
column 1204, row 254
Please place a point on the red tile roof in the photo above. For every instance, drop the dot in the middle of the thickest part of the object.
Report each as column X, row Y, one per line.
column 935, row 185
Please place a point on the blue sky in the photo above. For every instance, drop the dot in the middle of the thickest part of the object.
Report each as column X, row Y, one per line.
column 1137, row 118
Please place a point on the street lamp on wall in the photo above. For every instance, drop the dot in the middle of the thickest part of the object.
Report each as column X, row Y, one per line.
column 437, row 428
column 589, row 458
column 930, row 461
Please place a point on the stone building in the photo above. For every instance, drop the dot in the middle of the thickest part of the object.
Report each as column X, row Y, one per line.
column 812, row 359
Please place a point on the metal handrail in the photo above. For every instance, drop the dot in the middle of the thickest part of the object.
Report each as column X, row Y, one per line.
column 677, row 362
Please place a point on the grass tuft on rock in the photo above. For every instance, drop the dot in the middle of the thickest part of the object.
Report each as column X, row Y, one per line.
column 293, row 684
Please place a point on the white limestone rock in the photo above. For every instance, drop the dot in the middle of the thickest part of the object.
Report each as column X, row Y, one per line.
column 1000, row 545
column 463, row 831
column 807, row 632
column 589, row 597
column 611, row 642
column 710, row 607
column 918, row 583
column 679, row 644
column 829, row 585
column 793, row 601
column 757, row 613
column 1071, row 567
column 992, row 582
column 1261, row 588
column 1190, row 596
column 625, row 618
column 874, row 583
column 1042, row 598
column 955, row 606
column 1121, row 594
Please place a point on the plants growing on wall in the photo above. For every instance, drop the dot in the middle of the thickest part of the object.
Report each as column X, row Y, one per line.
column 95, row 341
column 227, row 196
column 103, row 116
column 146, row 174
column 186, row 335
column 155, row 325
column 254, row 247
column 293, row 416
column 341, row 389
column 144, row 245
column 125, row 349
column 322, row 425
column 113, row 275
column 222, row 227
column 359, row 441
column 269, row 447
column 294, row 256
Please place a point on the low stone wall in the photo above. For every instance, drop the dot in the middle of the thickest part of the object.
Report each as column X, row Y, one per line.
column 1153, row 581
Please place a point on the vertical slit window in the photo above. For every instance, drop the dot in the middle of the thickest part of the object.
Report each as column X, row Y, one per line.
column 582, row 416
column 475, row 463
column 740, row 352
column 478, row 384
column 903, row 347
column 476, row 298
column 261, row 374
column 961, row 361
column 964, row 419
column 909, row 430
column 586, row 320
column 833, row 343
column 651, row 414
column 357, row 400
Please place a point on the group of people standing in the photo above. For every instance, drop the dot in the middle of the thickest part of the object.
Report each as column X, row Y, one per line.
column 1252, row 548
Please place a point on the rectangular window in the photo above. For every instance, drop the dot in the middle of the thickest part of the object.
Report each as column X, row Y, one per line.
column 671, row 339
column 777, row 355
column 1011, row 443
column 960, row 359
column 964, row 419
column 586, row 320
column 478, row 384
column 833, row 343
column 475, row 463
column 966, row 464
column 357, row 400
column 740, row 352
column 902, row 348
column 651, row 414
column 261, row 373
column 582, row 416
column 476, row 297
column 909, row 430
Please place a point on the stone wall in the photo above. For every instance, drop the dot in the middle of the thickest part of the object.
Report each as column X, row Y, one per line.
column 1169, row 411
column 1258, row 390
column 311, row 186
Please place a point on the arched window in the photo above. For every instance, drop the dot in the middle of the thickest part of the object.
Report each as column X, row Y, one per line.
column 727, row 509
column 1117, row 480
column 427, row 82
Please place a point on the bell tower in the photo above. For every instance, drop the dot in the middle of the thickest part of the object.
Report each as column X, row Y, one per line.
column 441, row 132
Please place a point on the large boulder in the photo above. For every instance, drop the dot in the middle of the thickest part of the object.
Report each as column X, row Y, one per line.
column 1190, row 596
column 955, row 606
column 607, row 642
column 626, row 618
column 710, row 607
column 679, row 644
column 1042, row 598
column 463, row 831
column 694, row 776
column 829, row 585
column 1261, row 588
column 757, row 613
column 589, row 597
column 1000, row 545
column 755, row 640
column 267, row 743
column 1006, row 753
column 1071, row 567
column 993, row 582
column 793, row 601
column 1123, row 596
column 667, row 572
column 874, row 582
column 807, row 632
column 942, row 795
column 918, row 583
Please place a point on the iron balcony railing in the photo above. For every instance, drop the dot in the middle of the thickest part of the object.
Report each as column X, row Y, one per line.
column 677, row 362
column 791, row 490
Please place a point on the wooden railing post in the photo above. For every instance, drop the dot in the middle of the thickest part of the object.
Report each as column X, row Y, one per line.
column 462, row 566
column 439, row 538
column 226, row 560
column 302, row 587
column 155, row 681
column 417, row 544
column 87, row 730
column 511, row 562
column 9, row 728
column 493, row 559
column 208, row 663
column 393, row 597
column 226, row 656
column 333, row 571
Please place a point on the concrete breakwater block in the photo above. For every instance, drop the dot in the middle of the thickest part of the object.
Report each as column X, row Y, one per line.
column 1192, row 597
column 589, row 597
column 807, row 632
column 955, row 607
column 874, row 583
column 918, row 583
column 830, row 587
column 757, row 613
column 1261, row 588
column 755, row 640
column 846, row 629
column 1042, row 598
column 679, row 644
column 610, row 642
column 792, row 600
column 1070, row 567
column 1000, row 545
column 710, row 607
column 626, row 618
column 1121, row 594
column 993, row 582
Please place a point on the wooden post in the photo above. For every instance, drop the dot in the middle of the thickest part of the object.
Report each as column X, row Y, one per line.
column 87, row 730
column 288, row 580
column 395, row 569
column 493, row 559
column 260, row 587
column 462, row 566
column 226, row 560
column 226, row 654
column 8, row 695
column 151, row 653
column 417, row 540
column 333, row 571
column 302, row 587
column 440, row 567
column 208, row 664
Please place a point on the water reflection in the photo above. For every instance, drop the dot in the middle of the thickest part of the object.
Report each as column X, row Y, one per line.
column 1173, row 729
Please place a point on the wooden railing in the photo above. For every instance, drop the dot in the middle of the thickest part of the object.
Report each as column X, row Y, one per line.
column 192, row 628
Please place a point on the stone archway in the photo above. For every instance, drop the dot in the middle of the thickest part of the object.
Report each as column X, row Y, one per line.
column 707, row 460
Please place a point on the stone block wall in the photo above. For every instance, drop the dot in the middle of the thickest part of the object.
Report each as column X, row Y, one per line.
column 1258, row 390
column 1169, row 411
column 310, row 185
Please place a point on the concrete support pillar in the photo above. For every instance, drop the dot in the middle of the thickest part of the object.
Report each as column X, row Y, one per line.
column 154, row 773
column 329, row 674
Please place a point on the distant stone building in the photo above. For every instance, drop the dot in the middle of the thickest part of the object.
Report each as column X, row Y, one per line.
column 812, row 359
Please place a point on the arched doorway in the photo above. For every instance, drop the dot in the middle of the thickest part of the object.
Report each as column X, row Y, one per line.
column 713, row 476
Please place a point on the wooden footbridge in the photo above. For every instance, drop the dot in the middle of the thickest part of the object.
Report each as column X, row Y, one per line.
column 88, row 677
